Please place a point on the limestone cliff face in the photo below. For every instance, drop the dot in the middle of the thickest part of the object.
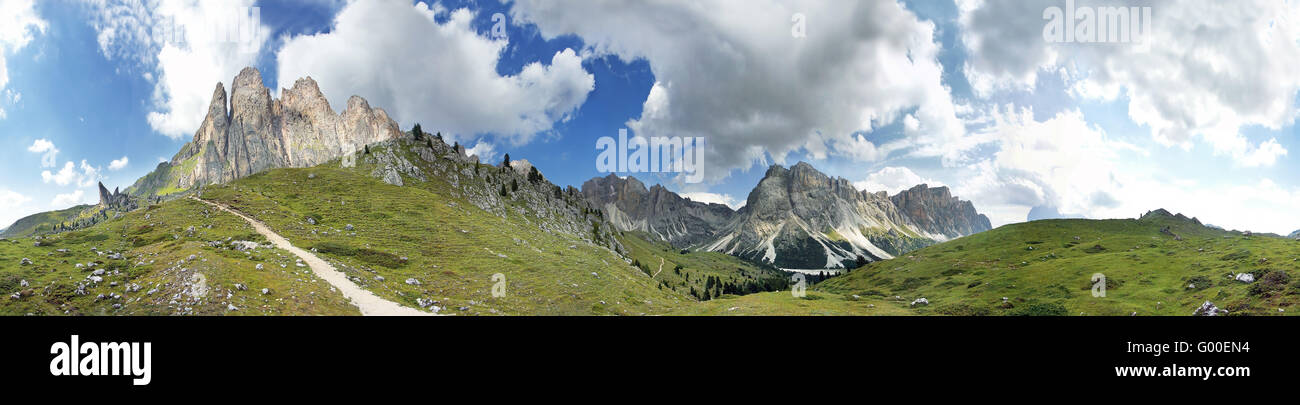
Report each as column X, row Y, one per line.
column 252, row 132
column 629, row 206
column 936, row 211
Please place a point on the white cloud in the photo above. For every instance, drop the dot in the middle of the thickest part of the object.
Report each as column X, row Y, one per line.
column 48, row 151
column 715, row 198
column 734, row 73
column 69, row 174
column 64, row 177
column 76, row 197
column 1062, row 162
column 118, row 164
column 89, row 175
column 11, row 204
column 1211, row 68
column 486, row 152
column 440, row 75
column 206, row 45
column 18, row 22
column 893, row 179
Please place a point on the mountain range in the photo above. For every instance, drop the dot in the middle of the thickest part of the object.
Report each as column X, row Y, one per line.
column 796, row 218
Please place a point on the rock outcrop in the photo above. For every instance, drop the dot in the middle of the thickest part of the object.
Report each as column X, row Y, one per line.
column 114, row 199
column 656, row 211
column 252, row 132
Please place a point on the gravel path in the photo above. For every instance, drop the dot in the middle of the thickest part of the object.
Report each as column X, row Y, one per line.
column 369, row 303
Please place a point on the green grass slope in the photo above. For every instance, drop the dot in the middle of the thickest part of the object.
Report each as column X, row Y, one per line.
column 1047, row 268
column 451, row 233
column 176, row 258
column 41, row 222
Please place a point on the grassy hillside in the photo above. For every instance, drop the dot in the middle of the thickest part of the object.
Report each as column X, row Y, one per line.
column 168, row 259
column 42, row 222
column 1046, row 268
column 704, row 275
column 451, row 232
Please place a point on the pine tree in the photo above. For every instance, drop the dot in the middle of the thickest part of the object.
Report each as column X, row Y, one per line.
column 514, row 185
column 506, row 163
column 419, row 133
column 503, row 190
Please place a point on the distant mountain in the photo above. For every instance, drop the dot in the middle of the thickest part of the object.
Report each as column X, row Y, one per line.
column 656, row 211
column 794, row 218
column 802, row 218
column 254, row 132
column 1294, row 235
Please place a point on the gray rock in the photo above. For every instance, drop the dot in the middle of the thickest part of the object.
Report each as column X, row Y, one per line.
column 412, row 281
column 259, row 266
column 348, row 228
column 266, row 291
column 1208, row 309
column 1245, row 278
column 25, row 262
column 920, row 301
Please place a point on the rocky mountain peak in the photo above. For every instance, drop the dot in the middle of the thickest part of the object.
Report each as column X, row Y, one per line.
column 257, row 133
column 935, row 210
column 247, row 77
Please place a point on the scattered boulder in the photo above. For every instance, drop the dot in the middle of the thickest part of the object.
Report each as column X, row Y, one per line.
column 920, row 301
column 412, row 281
column 25, row 262
column 22, row 283
column 241, row 287
column 1245, row 278
column 1209, row 309
column 348, row 228
column 242, row 245
column 311, row 220
column 259, row 266
column 266, row 291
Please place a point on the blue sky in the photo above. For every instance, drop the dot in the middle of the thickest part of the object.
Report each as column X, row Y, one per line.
column 962, row 94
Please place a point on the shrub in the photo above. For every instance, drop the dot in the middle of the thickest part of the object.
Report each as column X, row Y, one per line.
column 1271, row 282
column 962, row 310
column 1242, row 254
column 1040, row 309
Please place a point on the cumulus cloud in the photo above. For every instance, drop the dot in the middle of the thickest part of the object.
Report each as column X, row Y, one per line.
column 84, row 175
column 118, row 164
column 1210, row 68
column 893, row 179
column 187, row 45
column 76, row 197
column 441, row 75
column 735, row 73
column 47, row 150
column 715, row 198
column 18, row 24
column 11, row 203
column 1061, row 162
column 63, row 177
column 486, row 152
